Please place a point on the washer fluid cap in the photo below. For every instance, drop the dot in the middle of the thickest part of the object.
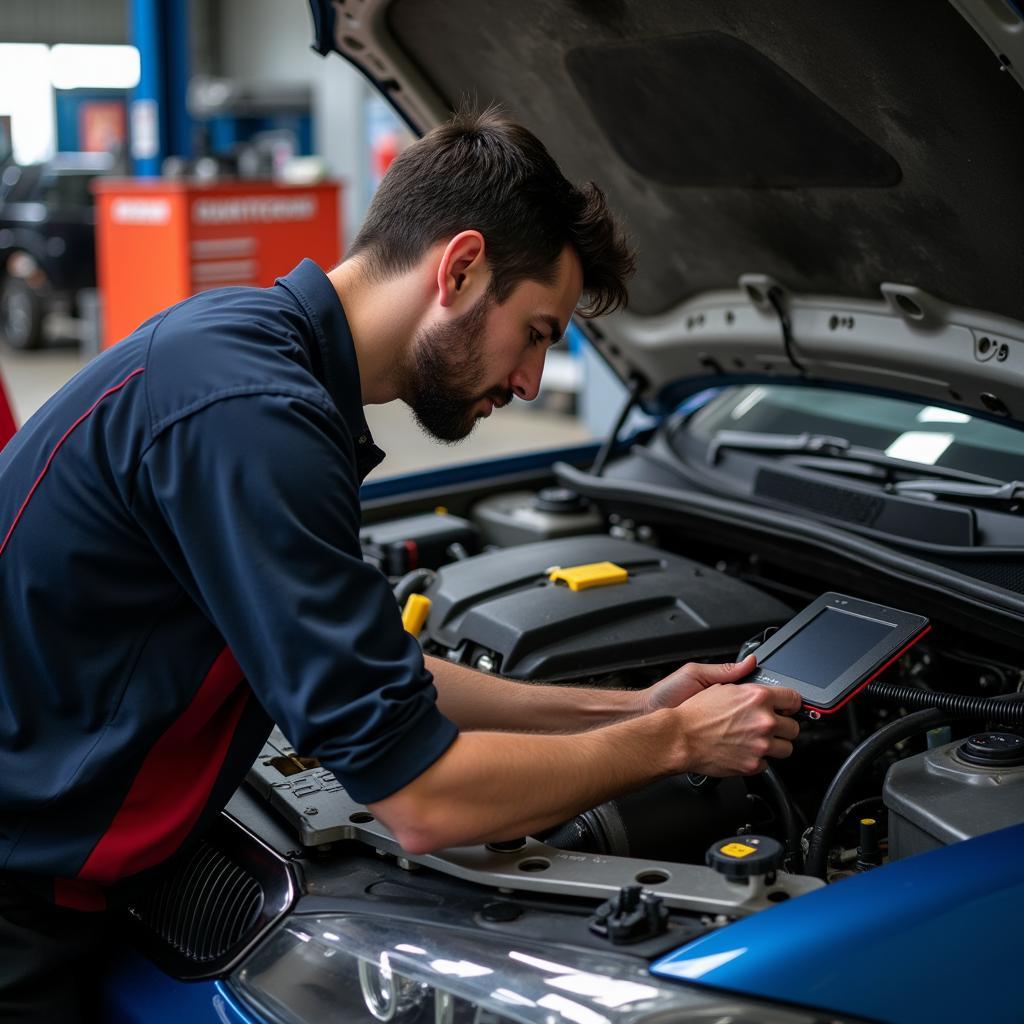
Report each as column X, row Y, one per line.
column 993, row 749
column 559, row 500
column 743, row 857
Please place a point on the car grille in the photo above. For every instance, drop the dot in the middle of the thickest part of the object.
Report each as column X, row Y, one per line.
column 205, row 908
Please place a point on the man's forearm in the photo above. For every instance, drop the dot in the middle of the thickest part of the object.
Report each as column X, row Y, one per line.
column 493, row 786
column 475, row 700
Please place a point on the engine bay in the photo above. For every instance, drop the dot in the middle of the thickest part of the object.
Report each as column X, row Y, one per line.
column 537, row 604
column 551, row 587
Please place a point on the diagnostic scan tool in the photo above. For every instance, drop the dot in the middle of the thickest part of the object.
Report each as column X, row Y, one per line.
column 834, row 648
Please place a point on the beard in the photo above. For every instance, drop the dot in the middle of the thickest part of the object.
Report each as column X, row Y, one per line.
column 446, row 376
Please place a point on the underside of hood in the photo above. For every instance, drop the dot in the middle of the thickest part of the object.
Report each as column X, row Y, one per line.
column 786, row 150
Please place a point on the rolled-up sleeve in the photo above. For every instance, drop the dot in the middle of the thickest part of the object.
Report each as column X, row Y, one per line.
column 253, row 503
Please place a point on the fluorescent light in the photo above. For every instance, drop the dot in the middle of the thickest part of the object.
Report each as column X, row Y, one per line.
column 933, row 414
column 460, row 968
column 748, row 403
column 920, row 446
column 74, row 66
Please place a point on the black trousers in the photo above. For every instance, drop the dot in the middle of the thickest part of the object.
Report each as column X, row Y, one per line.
column 50, row 959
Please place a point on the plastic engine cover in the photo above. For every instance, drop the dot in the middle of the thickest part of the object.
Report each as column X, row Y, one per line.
column 501, row 612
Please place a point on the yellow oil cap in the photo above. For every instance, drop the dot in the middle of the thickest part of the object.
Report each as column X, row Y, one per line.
column 583, row 577
column 415, row 613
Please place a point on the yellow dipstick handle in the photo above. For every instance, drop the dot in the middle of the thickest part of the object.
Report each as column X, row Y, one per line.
column 415, row 612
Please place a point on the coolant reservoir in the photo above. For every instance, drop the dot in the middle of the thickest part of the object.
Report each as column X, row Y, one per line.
column 954, row 792
column 522, row 517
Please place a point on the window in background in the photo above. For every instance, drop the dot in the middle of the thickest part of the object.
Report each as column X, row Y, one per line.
column 29, row 74
column 26, row 96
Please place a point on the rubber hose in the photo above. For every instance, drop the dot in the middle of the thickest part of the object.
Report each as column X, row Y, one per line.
column 789, row 821
column 865, row 754
column 414, row 582
column 956, row 703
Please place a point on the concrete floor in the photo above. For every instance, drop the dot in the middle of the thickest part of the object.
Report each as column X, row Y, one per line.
column 31, row 377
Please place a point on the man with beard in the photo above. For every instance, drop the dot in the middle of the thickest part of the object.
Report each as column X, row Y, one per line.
column 180, row 563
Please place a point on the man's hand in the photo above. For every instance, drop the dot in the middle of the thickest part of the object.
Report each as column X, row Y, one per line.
column 730, row 730
column 691, row 679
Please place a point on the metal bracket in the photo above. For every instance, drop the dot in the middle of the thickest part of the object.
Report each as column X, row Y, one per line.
column 317, row 806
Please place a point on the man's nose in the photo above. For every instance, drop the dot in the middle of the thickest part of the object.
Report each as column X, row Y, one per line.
column 525, row 379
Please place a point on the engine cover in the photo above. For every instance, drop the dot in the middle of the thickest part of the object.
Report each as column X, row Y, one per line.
column 502, row 613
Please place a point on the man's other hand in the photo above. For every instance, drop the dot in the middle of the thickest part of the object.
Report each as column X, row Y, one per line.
column 691, row 679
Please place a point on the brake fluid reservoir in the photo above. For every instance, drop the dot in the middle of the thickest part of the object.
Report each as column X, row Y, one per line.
column 954, row 792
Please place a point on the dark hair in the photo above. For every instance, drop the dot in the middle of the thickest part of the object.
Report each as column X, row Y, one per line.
column 484, row 172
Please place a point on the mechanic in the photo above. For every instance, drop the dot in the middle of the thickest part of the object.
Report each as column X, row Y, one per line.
column 180, row 563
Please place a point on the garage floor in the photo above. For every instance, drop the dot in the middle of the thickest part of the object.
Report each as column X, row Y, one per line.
column 31, row 377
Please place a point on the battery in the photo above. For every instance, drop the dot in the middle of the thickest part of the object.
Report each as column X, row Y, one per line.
column 417, row 542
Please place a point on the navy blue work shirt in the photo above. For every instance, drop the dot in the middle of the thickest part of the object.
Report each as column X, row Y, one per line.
column 179, row 568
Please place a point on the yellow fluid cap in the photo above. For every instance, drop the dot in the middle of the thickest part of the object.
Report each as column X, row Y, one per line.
column 583, row 577
column 415, row 612
column 737, row 850
column 441, row 510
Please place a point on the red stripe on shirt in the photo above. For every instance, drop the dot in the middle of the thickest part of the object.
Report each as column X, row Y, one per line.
column 174, row 783
column 56, row 448
column 76, row 895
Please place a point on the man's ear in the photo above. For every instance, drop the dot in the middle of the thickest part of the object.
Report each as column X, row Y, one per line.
column 462, row 274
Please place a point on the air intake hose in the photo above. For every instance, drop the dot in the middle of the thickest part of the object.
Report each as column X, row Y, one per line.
column 1010, row 713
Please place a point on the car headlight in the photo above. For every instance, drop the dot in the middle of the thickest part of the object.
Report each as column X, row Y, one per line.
column 357, row 968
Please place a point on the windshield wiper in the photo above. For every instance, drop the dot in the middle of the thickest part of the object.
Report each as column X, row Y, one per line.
column 749, row 441
column 824, row 446
column 1010, row 493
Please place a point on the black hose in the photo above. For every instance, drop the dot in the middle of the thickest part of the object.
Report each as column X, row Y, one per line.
column 414, row 582
column 636, row 385
column 788, row 813
column 775, row 297
column 865, row 754
column 888, row 736
column 1012, row 712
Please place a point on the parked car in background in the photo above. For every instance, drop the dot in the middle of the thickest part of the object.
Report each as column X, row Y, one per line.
column 47, row 242
column 828, row 325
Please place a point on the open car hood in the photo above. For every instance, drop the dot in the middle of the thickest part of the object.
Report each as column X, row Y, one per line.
column 846, row 174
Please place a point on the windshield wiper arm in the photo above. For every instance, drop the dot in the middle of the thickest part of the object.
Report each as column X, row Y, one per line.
column 825, row 446
column 1010, row 493
column 750, row 441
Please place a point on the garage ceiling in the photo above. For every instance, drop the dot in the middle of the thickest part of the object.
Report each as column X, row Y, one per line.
column 64, row 21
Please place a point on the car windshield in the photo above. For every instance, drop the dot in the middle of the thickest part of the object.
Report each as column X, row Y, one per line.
column 926, row 434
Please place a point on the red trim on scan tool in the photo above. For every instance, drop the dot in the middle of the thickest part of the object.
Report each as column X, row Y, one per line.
column 896, row 657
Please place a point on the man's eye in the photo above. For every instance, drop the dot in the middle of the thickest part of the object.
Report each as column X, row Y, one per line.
column 535, row 336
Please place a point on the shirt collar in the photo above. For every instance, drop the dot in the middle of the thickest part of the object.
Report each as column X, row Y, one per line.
column 334, row 361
